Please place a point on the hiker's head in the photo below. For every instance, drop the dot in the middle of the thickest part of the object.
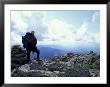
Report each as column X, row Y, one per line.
column 32, row 32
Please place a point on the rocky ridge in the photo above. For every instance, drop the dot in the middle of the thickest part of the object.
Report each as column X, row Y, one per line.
column 68, row 65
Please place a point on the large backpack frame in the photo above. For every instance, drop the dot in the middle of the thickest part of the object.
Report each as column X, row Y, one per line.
column 27, row 39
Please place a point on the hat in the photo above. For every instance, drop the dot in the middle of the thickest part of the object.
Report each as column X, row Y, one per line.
column 32, row 31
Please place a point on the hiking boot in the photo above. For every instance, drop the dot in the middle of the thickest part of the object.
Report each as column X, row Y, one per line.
column 39, row 62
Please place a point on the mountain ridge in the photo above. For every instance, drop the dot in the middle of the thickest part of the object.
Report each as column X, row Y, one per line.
column 68, row 65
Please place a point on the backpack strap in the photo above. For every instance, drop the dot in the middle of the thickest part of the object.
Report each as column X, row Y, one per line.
column 34, row 40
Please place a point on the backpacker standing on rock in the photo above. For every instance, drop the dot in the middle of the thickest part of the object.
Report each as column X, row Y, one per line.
column 29, row 42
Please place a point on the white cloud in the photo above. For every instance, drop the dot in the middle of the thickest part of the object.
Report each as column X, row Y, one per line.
column 60, row 31
column 55, row 31
column 81, row 32
column 97, row 37
column 65, row 34
column 95, row 16
column 15, row 38
column 19, row 23
column 26, row 21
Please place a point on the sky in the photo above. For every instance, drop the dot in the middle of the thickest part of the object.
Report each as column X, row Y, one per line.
column 62, row 28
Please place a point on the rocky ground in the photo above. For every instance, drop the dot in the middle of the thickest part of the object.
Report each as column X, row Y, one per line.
column 68, row 65
column 18, row 56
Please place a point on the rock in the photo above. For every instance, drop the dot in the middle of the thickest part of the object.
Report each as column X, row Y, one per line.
column 94, row 73
column 68, row 65
column 18, row 56
column 24, row 68
column 70, row 54
column 37, row 67
column 91, row 52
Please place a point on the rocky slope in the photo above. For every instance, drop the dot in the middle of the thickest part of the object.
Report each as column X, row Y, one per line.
column 69, row 65
column 18, row 56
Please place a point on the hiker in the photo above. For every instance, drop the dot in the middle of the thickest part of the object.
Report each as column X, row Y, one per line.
column 29, row 42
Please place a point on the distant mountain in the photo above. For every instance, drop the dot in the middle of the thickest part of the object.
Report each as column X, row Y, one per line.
column 46, row 52
column 53, row 50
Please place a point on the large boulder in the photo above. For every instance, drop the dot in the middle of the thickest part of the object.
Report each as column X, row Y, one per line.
column 18, row 56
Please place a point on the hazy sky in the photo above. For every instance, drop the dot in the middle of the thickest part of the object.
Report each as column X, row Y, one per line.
column 63, row 28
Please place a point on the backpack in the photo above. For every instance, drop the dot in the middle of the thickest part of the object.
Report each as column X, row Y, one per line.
column 27, row 39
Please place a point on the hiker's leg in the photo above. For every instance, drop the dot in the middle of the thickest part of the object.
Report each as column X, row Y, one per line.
column 28, row 55
column 38, row 52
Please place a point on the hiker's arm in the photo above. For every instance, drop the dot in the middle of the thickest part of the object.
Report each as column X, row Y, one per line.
column 35, row 41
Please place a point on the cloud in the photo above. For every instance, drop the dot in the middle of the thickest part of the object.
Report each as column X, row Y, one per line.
column 65, row 34
column 15, row 38
column 95, row 16
column 81, row 32
column 26, row 21
column 19, row 23
column 60, row 31
column 50, row 32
